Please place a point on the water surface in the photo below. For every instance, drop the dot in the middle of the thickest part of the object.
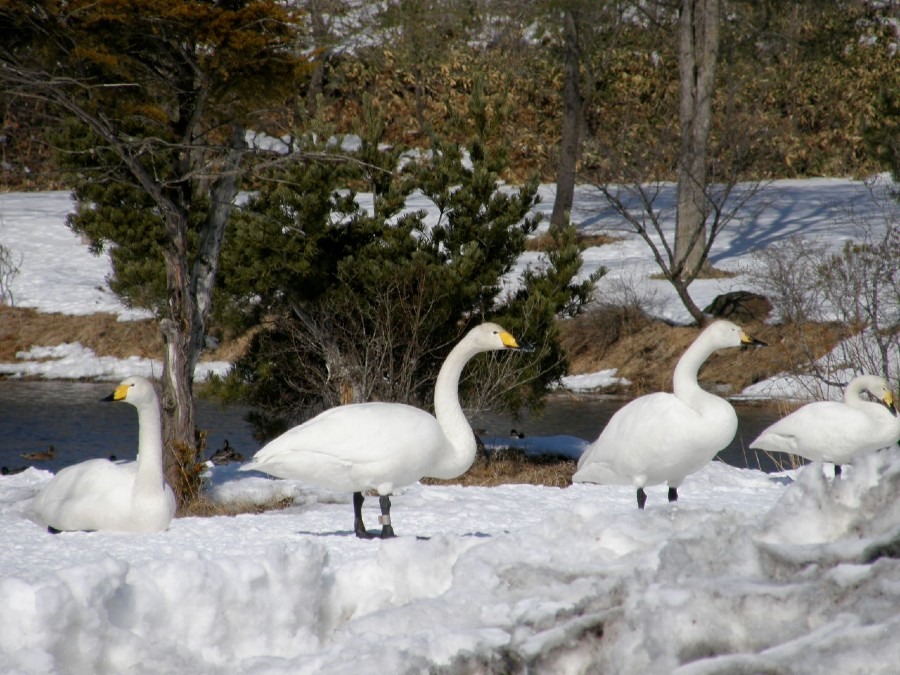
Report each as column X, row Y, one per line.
column 71, row 417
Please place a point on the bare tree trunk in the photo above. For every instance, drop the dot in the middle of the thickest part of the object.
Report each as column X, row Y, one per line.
column 317, row 12
column 177, row 376
column 184, row 327
column 570, row 142
column 697, row 57
column 221, row 202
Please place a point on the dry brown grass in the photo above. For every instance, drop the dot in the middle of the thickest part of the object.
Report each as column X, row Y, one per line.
column 23, row 328
column 204, row 507
column 544, row 242
column 642, row 350
column 589, row 338
column 645, row 351
column 513, row 467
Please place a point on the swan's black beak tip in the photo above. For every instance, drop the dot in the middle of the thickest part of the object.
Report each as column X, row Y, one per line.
column 111, row 397
column 753, row 342
column 526, row 347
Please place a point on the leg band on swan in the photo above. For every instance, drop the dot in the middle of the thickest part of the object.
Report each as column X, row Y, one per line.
column 384, row 501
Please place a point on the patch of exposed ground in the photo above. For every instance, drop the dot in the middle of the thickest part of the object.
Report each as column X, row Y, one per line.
column 22, row 329
column 642, row 350
column 646, row 351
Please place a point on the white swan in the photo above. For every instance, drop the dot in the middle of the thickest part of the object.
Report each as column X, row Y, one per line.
column 662, row 437
column 114, row 496
column 381, row 446
column 834, row 431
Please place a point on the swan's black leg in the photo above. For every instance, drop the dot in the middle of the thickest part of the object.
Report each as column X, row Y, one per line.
column 641, row 497
column 386, row 530
column 358, row 527
column 673, row 494
column 837, row 470
column 53, row 530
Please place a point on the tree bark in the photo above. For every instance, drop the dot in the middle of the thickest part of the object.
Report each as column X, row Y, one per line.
column 697, row 59
column 570, row 141
column 177, row 376
column 188, row 309
column 222, row 193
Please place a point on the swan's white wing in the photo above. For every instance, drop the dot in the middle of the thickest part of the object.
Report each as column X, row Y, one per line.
column 90, row 495
column 653, row 439
column 356, row 447
column 830, row 431
column 116, row 496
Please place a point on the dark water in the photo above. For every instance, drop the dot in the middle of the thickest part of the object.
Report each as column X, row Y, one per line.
column 585, row 416
column 71, row 417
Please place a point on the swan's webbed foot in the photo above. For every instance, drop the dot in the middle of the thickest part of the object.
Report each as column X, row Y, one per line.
column 359, row 528
column 385, row 519
column 641, row 497
column 673, row 494
column 360, row 531
column 53, row 530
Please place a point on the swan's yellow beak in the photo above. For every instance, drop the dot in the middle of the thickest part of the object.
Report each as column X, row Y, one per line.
column 119, row 394
column 889, row 402
column 747, row 340
column 511, row 343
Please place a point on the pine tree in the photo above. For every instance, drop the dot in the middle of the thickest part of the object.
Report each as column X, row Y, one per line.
column 352, row 305
column 153, row 98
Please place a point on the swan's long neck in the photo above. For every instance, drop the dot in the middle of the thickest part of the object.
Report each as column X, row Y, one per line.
column 853, row 395
column 684, row 380
column 149, row 478
column 460, row 453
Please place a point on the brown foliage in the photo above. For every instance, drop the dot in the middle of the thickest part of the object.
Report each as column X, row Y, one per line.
column 512, row 466
column 645, row 351
column 545, row 242
column 204, row 507
column 642, row 349
column 799, row 95
column 22, row 328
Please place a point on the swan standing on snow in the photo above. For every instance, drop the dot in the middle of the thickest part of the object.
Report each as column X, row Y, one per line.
column 120, row 497
column 381, row 446
column 834, row 431
column 662, row 437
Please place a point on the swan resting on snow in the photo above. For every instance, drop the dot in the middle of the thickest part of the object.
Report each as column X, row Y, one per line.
column 377, row 446
column 114, row 496
column 663, row 437
column 835, row 431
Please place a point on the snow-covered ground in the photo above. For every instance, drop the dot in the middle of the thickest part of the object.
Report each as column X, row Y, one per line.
column 746, row 573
